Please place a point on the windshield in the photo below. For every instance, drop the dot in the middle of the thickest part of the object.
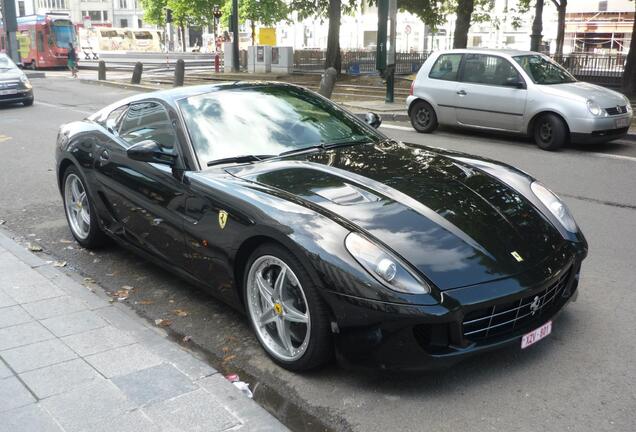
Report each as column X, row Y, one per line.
column 266, row 120
column 64, row 35
column 542, row 70
column 6, row 63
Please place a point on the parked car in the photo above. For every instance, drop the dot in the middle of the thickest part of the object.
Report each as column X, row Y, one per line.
column 326, row 233
column 515, row 91
column 15, row 87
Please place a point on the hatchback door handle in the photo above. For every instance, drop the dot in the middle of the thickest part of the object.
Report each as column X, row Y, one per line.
column 462, row 93
column 104, row 155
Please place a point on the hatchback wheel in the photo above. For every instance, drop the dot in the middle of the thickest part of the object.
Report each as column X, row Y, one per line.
column 423, row 117
column 286, row 313
column 550, row 133
column 80, row 211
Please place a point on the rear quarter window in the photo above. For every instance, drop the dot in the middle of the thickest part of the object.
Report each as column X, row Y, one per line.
column 446, row 67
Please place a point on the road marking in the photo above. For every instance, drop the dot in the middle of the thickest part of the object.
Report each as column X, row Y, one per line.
column 397, row 127
column 63, row 107
column 613, row 156
column 4, row 138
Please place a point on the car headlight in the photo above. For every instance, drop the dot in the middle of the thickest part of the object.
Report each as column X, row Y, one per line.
column 594, row 108
column 555, row 205
column 385, row 267
column 25, row 81
column 628, row 104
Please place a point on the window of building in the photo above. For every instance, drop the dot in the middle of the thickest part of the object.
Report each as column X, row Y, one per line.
column 123, row 22
column 602, row 6
column 123, row 4
column 139, row 23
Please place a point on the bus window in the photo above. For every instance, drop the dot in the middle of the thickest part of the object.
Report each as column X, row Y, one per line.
column 143, row 35
column 40, row 42
column 64, row 33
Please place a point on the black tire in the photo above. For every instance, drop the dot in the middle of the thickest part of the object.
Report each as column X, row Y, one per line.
column 320, row 347
column 550, row 132
column 28, row 102
column 423, row 117
column 96, row 237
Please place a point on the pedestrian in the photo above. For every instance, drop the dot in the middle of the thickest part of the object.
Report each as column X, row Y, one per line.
column 72, row 60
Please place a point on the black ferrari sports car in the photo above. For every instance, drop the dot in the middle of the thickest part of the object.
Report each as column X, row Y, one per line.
column 333, row 238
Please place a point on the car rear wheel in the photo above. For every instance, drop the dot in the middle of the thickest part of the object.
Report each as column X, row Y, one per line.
column 550, row 133
column 423, row 117
column 80, row 211
column 288, row 316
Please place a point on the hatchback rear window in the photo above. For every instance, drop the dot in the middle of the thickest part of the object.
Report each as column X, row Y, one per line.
column 446, row 67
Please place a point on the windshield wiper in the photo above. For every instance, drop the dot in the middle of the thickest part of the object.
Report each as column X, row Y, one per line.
column 239, row 159
column 324, row 146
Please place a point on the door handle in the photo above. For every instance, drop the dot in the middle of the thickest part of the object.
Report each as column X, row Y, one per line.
column 104, row 156
column 462, row 93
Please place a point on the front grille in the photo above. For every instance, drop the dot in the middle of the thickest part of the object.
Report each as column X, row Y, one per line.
column 619, row 109
column 504, row 318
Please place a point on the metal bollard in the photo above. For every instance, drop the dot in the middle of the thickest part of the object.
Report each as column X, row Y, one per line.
column 328, row 82
column 179, row 73
column 136, row 76
column 217, row 63
column 101, row 70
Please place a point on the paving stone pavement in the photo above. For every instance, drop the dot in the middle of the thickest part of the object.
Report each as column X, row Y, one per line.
column 71, row 361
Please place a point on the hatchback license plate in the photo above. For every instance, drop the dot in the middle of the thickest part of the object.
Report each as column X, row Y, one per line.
column 536, row 335
column 8, row 92
column 621, row 123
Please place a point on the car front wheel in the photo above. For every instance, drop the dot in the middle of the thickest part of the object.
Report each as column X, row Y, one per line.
column 423, row 117
column 550, row 133
column 80, row 211
column 287, row 314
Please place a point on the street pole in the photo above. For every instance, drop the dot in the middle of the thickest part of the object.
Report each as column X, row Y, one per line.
column 390, row 53
column 235, row 36
column 10, row 27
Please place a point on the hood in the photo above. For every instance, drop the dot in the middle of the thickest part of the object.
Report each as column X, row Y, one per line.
column 10, row 74
column 583, row 91
column 456, row 224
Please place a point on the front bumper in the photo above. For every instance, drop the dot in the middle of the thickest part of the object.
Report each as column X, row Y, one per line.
column 22, row 96
column 374, row 334
column 599, row 129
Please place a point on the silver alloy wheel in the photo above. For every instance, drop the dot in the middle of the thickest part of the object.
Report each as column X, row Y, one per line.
column 77, row 207
column 278, row 308
column 545, row 132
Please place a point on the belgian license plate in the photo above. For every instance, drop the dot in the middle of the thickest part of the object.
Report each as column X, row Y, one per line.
column 7, row 92
column 536, row 335
column 621, row 123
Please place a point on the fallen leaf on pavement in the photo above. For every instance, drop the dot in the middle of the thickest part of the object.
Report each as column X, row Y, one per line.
column 229, row 358
column 180, row 312
column 59, row 264
column 89, row 280
column 145, row 302
column 163, row 322
column 34, row 247
column 65, row 241
column 186, row 339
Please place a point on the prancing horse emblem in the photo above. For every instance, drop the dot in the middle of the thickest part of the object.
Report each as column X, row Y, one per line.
column 534, row 306
column 222, row 218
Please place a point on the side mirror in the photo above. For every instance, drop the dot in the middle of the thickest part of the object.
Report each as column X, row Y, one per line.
column 515, row 82
column 111, row 124
column 373, row 119
column 150, row 151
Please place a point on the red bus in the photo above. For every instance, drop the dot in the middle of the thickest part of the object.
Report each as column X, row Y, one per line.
column 43, row 40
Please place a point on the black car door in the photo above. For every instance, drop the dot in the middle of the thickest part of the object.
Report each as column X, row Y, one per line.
column 146, row 198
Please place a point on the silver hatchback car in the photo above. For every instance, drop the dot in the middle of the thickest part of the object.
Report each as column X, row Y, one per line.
column 515, row 91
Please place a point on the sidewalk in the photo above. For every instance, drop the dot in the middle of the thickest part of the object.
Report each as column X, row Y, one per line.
column 72, row 361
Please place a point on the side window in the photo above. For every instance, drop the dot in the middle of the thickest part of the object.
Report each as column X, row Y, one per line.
column 148, row 121
column 446, row 67
column 113, row 120
column 490, row 70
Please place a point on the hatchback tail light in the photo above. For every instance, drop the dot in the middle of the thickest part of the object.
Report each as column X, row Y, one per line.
column 411, row 90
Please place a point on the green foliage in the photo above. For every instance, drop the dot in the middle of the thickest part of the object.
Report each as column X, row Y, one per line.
column 320, row 8
column 434, row 12
column 197, row 12
column 264, row 12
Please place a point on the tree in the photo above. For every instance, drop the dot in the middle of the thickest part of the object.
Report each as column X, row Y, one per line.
column 629, row 74
column 537, row 26
column 264, row 12
column 464, row 13
column 561, row 6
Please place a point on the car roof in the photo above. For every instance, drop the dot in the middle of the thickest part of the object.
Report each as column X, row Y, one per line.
column 508, row 52
column 171, row 96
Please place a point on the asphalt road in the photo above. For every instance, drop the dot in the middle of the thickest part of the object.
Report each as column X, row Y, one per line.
column 581, row 378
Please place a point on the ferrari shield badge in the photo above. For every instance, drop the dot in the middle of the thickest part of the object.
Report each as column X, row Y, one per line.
column 515, row 254
column 222, row 218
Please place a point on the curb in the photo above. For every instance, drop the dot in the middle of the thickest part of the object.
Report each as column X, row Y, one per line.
column 126, row 86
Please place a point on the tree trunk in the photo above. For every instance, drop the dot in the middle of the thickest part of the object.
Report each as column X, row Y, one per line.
column 629, row 75
column 537, row 27
column 462, row 24
column 333, row 36
column 561, row 8
column 253, row 26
